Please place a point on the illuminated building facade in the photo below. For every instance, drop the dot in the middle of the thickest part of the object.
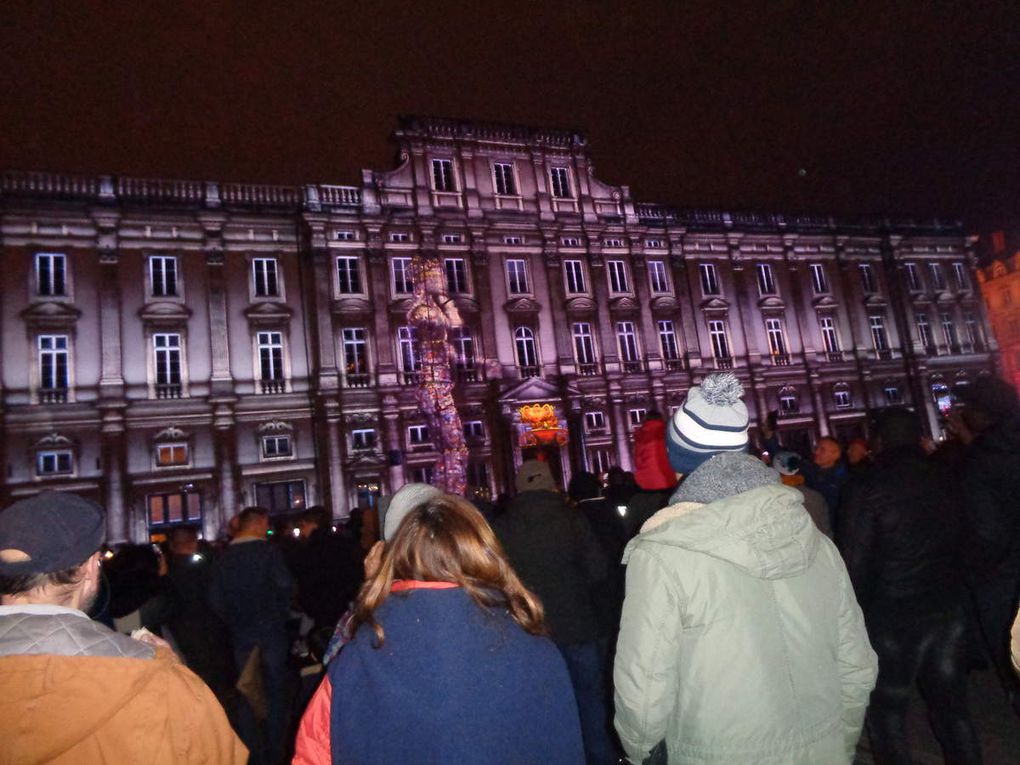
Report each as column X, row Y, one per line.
column 1000, row 286
column 179, row 349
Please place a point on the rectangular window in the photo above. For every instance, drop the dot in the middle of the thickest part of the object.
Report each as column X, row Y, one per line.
column 584, row 345
column 618, row 276
column 410, row 353
column 348, row 273
column 594, row 421
column 58, row 462
column 363, row 439
column 636, row 416
column 667, row 340
column 265, row 278
column 657, row 277
column 270, row 349
column 627, row 338
column 819, row 281
column 400, row 237
column 474, row 430
column 600, row 460
column 53, row 364
column 527, row 355
column 842, row 398
column 892, row 395
column 938, row 280
column 970, row 323
column 612, row 243
column 777, row 342
column 653, row 244
column 344, row 236
column 478, row 474
column 913, row 277
column 425, row 474
column 709, row 279
column 506, row 184
column 163, row 275
column 167, row 358
column 878, row 336
column 830, row 337
column 280, row 497
column 570, row 241
column 456, row 276
column 463, row 348
column 766, row 280
column 949, row 329
column 355, row 349
column 276, row 446
column 452, row 239
column 867, row 279
column 789, row 402
column 574, row 272
column 517, row 277
column 50, row 274
column 560, row 177
column 403, row 284
column 720, row 343
column 513, row 240
column 442, row 175
column 418, row 435
column 178, row 507
column 171, row 455
column 923, row 330
column 960, row 274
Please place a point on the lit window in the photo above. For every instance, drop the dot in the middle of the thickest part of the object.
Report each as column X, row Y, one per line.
column 618, row 276
column 777, row 340
column 274, row 447
column 171, row 455
column 584, row 344
column 574, row 271
column 50, row 274
column 176, row 507
column 709, row 279
column 867, row 279
column 560, row 177
column 819, row 281
column 163, row 276
column 442, row 175
column 265, row 277
column 456, row 276
column 403, row 284
column 517, row 277
column 506, row 184
column 418, row 435
column 348, row 271
column 657, row 277
column 766, row 280
column 59, row 462
column 363, row 439
column 594, row 421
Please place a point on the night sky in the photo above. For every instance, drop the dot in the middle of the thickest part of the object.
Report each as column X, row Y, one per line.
column 889, row 107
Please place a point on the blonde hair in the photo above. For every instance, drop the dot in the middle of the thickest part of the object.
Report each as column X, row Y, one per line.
column 445, row 539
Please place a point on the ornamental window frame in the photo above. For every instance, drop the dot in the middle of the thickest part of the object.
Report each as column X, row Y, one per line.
column 583, row 342
column 163, row 277
column 348, row 279
column 830, row 334
column 869, row 284
column 719, row 339
column 627, row 341
column 504, row 179
column 766, row 279
column 266, row 283
column 574, row 278
column 561, row 182
column 819, row 279
column 46, row 457
column 658, row 277
column 775, row 334
column 708, row 275
column 517, row 278
column 276, row 446
column 444, row 175
column 401, row 276
column 879, row 333
column 619, row 280
column 456, row 273
column 668, row 342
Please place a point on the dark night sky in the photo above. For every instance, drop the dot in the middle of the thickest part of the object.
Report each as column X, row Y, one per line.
column 899, row 107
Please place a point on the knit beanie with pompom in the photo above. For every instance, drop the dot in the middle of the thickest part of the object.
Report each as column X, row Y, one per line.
column 712, row 419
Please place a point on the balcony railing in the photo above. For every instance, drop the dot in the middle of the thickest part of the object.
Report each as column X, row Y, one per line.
column 883, row 353
column 724, row 362
column 674, row 365
column 411, row 378
column 631, row 367
column 168, row 390
column 781, row 359
column 273, row 386
column 530, row 371
column 53, row 395
column 357, row 379
column 587, row 370
column 834, row 356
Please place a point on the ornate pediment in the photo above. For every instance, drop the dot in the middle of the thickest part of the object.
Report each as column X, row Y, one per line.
column 164, row 313
column 366, row 460
column 521, row 305
column 665, row 304
column 825, row 302
column 466, row 303
column 580, row 306
column 624, row 305
column 274, row 427
column 771, row 304
column 536, row 389
column 920, row 298
column 173, row 433
column 268, row 314
column 714, row 304
column 875, row 301
column 51, row 315
column 54, row 441
column 352, row 306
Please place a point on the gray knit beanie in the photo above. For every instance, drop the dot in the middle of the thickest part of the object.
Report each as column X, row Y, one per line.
column 407, row 498
column 724, row 475
column 712, row 419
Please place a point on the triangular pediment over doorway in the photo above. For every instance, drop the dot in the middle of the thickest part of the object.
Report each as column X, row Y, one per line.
column 535, row 389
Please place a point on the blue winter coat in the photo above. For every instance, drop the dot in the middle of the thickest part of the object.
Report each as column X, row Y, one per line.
column 452, row 683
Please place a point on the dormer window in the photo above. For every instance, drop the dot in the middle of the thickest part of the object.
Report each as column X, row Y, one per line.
column 52, row 462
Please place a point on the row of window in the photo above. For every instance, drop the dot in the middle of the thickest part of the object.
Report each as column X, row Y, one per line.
column 504, row 179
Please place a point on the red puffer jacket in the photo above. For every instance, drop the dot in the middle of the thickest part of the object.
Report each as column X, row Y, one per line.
column 652, row 470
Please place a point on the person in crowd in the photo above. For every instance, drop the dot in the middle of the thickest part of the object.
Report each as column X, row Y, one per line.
column 654, row 475
column 556, row 554
column 788, row 465
column 251, row 591
column 72, row 690
column 741, row 641
column 826, row 474
column 138, row 589
column 858, row 456
column 620, row 485
column 448, row 663
column 902, row 548
column 198, row 632
column 986, row 418
column 328, row 568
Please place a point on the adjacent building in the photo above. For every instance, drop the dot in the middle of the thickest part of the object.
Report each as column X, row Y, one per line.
column 180, row 349
column 999, row 277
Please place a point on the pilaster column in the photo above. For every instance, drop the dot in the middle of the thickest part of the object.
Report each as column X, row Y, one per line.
column 620, row 436
column 391, row 419
column 745, row 313
column 219, row 343
column 821, row 412
column 226, row 463
column 561, row 322
column 338, row 505
column 114, row 454
column 685, row 279
column 604, row 321
column 111, row 378
column 379, row 279
column 646, row 326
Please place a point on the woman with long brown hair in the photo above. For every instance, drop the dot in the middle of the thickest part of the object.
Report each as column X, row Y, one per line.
column 448, row 662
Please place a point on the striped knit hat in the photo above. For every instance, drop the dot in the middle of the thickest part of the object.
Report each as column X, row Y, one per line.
column 712, row 419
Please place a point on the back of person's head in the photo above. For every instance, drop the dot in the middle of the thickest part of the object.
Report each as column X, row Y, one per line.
column 46, row 541
column 584, row 485
column 317, row 516
column 184, row 540
column 393, row 510
column 713, row 418
column 251, row 517
column 987, row 400
column 896, row 427
column 445, row 539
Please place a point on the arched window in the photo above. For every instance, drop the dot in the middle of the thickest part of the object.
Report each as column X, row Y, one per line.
column 527, row 356
column 789, row 400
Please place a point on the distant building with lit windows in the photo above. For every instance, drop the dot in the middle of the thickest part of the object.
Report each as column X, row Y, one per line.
column 179, row 349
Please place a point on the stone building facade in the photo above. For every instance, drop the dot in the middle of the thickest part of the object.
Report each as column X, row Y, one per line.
column 180, row 349
column 999, row 277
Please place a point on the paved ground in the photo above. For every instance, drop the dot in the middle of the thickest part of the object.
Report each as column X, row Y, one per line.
column 998, row 728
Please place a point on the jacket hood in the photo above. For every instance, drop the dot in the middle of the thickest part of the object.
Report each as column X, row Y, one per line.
column 651, row 430
column 765, row 532
column 92, row 690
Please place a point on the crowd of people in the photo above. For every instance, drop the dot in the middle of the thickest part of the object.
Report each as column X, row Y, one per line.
column 727, row 602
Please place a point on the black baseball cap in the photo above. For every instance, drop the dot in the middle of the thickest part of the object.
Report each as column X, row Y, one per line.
column 51, row 531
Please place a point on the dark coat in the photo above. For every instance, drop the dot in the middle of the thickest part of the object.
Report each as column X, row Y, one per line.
column 451, row 684
column 329, row 570
column 557, row 556
column 901, row 532
column 251, row 589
